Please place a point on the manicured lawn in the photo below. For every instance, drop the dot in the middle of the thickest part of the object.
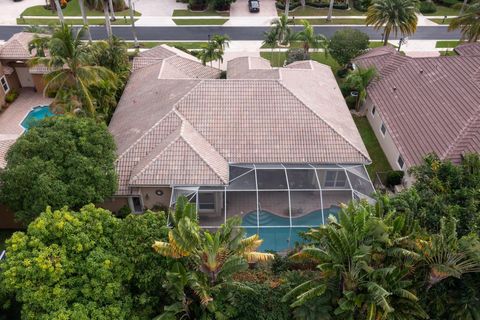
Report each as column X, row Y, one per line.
column 277, row 59
column 447, row 44
column 375, row 44
column 199, row 22
column 311, row 11
column 119, row 21
column 332, row 22
column 379, row 160
column 444, row 11
column 186, row 45
column 441, row 21
column 188, row 13
column 72, row 9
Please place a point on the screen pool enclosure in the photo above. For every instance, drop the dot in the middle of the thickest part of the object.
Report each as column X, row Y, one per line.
column 279, row 195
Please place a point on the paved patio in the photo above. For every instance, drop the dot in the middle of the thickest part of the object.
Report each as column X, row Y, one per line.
column 10, row 119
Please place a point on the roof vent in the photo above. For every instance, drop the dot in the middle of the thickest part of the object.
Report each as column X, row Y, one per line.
column 421, row 71
column 394, row 89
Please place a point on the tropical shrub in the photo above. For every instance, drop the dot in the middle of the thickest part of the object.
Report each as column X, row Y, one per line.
column 427, row 7
column 394, row 178
column 362, row 5
column 347, row 44
column 296, row 54
column 60, row 161
column 11, row 96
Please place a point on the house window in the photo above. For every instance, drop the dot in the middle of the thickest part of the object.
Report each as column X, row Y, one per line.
column 400, row 162
column 335, row 179
column 206, row 201
column 373, row 110
column 137, row 204
column 4, row 83
column 383, row 129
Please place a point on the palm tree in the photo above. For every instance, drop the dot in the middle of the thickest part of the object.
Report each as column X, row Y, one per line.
column 134, row 31
column 107, row 19
column 282, row 29
column 393, row 16
column 468, row 22
column 112, row 10
column 330, row 11
column 221, row 43
column 208, row 53
column 270, row 40
column 84, row 17
column 59, row 11
column 310, row 39
column 358, row 80
column 206, row 261
column 72, row 71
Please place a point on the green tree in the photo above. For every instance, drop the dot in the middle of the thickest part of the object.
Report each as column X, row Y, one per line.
column 393, row 16
column 347, row 44
column 72, row 71
column 221, row 43
column 468, row 22
column 209, row 53
column 310, row 39
column 358, row 80
column 206, row 261
column 61, row 161
column 282, row 29
column 65, row 267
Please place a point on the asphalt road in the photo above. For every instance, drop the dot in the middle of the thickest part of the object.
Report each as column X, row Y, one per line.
column 235, row 33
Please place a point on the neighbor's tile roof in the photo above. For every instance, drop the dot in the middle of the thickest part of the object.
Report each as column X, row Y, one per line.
column 17, row 46
column 427, row 104
column 6, row 141
column 172, row 130
column 468, row 49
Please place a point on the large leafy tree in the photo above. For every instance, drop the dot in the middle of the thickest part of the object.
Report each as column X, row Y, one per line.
column 393, row 16
column 206, row 261
column 60, row 161
column 358, row 80
column 347, row 44
column 468, row 22
column 73, row 72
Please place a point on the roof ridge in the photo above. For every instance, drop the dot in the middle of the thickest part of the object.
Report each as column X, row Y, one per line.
column 475, row 117
column 324, row 121
column 186, row 122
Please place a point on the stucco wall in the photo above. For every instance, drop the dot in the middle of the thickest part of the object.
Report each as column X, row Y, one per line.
column 151, row 199
column 38, row 82
column 114, row 204
column 386, row 141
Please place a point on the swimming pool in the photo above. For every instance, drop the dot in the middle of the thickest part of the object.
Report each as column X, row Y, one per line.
column 282, row 237
column 35, row 115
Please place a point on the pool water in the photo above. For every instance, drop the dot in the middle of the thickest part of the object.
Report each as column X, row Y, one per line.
column 283, row 237
column 35, row 115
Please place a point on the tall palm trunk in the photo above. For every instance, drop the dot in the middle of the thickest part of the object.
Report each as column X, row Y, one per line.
column 387, row 35
column 134, row 31
column 112, row 11
column 302, row 2
column 84, row 17
column 287, row 7
column 59, row 11
column 463, row 7
column 107, row 20
column 330, row 11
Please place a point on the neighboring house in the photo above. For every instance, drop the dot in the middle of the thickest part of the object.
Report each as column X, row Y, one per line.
column 418, row 106
column 277, row 146
column 5, row 87
column 14, row 55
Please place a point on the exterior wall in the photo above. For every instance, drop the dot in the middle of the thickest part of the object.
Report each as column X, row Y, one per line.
column 38, row 82
column 151, row 199
column 386, row 141
column 114, row 204
column 2, row 93
column 13, row 81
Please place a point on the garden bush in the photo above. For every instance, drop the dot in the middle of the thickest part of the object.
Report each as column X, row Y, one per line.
column 394, row 178
column 449, row 3
column 296, row 55
column 197, row 5
column 427, row 7
column 11, row 96
column 281, row 5
column 321, row 4
column 362, row 5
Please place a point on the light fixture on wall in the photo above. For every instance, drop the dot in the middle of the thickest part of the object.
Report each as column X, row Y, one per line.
column 159, row 192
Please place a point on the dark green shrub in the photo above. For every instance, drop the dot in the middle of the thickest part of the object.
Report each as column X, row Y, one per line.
column 222, row 5
column 296, row 55
column 394, row 178
column 449, row 3
column 427, row 7
column 197, row 5
column 11, row 96
column 281, row 5
column 362, row 5
column 346, row 44
column 351, row 101
column 342, row 73
column 124, row 211
column 320, row 4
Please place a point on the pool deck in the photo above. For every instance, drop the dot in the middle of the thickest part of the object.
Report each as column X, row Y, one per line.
column 10, row 119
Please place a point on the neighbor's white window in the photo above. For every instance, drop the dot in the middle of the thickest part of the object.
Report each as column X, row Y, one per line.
column 4, row 83
column 383, row 129
column 400, row 162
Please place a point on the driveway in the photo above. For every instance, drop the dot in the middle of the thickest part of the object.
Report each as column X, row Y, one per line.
column 240, row 9
column 11, row 10
column 163, row 8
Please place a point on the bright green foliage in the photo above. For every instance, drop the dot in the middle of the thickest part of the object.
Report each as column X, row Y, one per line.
column 366, row 260
column 358, row 81
column 468, row 22
column 444, row 189
column 61, row 161
column 65, row 267
column 206, row 262
column 393, row 16
column 346, row 44
column 310, row 39
column 214, row 49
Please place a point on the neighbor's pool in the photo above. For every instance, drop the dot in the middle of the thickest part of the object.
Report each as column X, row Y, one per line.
column 35, row 115
column 283, row 237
